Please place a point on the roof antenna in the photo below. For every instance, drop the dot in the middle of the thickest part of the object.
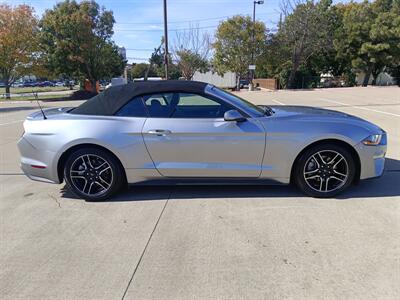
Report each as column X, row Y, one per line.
column 37, row 101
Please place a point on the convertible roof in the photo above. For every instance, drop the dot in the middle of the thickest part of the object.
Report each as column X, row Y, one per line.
column 112, row 99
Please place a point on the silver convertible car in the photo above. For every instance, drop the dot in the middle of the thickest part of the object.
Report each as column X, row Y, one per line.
column 176, row 132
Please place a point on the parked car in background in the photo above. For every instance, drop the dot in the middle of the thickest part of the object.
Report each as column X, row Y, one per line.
column 29, row 84
column 59, row 83
column 18, row 84
column 244, row 83
column 46, row 84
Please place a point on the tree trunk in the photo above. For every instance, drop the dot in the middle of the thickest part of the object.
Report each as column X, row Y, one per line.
column 8, row 96
column 237, row 82
column 374, row 77
column 94, row 86
column 366, row 78
column 292, row 78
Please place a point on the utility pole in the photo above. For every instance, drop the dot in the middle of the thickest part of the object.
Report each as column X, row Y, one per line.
column 253, row 71
column 165, row 39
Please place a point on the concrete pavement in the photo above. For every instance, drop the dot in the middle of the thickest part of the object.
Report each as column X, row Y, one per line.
column 196, row 242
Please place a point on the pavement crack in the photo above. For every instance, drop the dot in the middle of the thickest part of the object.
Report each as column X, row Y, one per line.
column 56, row 200
column 145, row 247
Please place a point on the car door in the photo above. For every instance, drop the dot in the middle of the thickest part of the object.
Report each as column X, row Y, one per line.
column 187, row 136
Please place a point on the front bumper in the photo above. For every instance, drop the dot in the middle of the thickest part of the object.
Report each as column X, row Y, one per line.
column 37, row 164
column 372, row 159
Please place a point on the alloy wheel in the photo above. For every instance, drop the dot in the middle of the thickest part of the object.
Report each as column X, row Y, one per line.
column 91, row 174
column 326, row 171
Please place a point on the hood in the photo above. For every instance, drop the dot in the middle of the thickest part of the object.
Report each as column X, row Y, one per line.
column 314, row 114
column 290, row 111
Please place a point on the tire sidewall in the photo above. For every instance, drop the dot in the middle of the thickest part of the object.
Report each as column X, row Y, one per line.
column 114, row 164
column 299, row 167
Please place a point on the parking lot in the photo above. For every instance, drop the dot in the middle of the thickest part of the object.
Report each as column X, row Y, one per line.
column 205, row 242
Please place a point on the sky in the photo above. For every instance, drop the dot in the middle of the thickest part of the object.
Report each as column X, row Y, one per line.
column 139, row 23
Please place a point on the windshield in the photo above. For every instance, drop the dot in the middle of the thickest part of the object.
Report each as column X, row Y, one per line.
column 239, row 102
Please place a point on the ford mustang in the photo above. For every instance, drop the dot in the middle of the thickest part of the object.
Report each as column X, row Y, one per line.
column 185, row 132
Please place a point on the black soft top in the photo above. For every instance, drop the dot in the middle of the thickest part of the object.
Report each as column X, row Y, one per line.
column 112, row 99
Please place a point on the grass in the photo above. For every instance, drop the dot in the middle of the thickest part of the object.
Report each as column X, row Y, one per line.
column 32, row 98
column 22, row 90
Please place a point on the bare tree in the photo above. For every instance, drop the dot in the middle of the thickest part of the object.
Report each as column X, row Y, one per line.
column 191, row 51
column 304, row 31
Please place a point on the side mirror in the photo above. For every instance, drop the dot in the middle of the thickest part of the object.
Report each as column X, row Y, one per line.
column 234, row 115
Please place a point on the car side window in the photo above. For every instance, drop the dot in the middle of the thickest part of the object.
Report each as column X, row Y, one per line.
column 133, row 108
column 184, row 105
column 158, row 105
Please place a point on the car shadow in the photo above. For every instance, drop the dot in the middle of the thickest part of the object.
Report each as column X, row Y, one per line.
column 385, row 186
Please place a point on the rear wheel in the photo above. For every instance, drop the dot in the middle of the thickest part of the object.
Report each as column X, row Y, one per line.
column 93, row 174
column 324, row 171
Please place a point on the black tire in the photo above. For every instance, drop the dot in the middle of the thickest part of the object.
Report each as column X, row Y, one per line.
column 96, row 168
column 325, row 174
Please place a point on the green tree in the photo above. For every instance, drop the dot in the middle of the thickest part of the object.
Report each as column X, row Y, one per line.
column 18, row 42
column 190, row 62
column 76, row 38
column 234, row 45
column 370, row 37
column 157, row 63
column 305, row 33
column 143, row 70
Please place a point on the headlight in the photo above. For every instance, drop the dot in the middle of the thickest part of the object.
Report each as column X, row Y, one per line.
column 373, row 140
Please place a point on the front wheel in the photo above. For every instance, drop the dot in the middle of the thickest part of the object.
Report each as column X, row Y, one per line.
column 93, row 174
column 324, row 171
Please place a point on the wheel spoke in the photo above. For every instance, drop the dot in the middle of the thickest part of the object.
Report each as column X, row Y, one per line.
column 84, row 187
column 84, row 162
column 316, row 161
column 89, row 162
column 104, row 164
column 313, row 177
column 326, row 184
column 77, row 172
column 321, row 158
column 99, row 184
column 81, row 177
column 105, row 182
column 320, row 184
column 333, row 159
column 90, row 187
column 340, row 174
column 311, row 174
column 334, row 177
column 340, row 159
column 104, row 169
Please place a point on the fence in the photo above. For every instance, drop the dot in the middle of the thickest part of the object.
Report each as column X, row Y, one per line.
column 267, row 83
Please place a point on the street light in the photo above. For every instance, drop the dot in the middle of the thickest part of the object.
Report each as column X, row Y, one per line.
column 253, row 39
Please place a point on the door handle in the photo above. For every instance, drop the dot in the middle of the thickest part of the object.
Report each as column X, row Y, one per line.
column 159, row 132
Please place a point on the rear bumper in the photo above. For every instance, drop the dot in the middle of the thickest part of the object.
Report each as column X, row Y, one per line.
column 37, row 164
column 372, row 159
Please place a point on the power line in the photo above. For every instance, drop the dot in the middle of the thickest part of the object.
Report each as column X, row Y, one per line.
column 176, row 29
column 140, row 49
column 187, row 21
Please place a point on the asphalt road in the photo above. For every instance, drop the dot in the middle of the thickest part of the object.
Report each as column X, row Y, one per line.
column 191, row 242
